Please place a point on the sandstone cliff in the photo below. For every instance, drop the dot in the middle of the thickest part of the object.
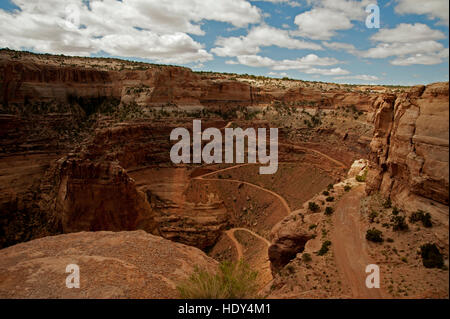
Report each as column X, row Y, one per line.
column 92, row 196
column 409, row 149
column 27, row 78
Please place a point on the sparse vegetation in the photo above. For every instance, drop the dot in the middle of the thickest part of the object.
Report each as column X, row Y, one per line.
column 398, row 223
column 431, row 256
column 306, row 257
column 387, row 203
column 422, row 216
column 374, row 235
column 395, row 210
column 362, row 178
column 324, row 249
column 347, row 188
column 313, row 207
column 329, row 199
column 329, row 210
column 373, row 214
column 232, row 281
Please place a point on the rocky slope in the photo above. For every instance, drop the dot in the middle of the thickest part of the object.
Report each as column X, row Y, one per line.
column 112, row 265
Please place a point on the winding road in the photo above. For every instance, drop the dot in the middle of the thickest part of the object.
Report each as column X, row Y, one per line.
column 278, row 196
column 230, row 234
column 350, row 246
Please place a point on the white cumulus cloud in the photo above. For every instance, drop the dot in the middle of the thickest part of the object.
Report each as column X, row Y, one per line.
column 329, row 16
column 434, row 9
column 409, row 44
column 257, row 37
column 152, row 29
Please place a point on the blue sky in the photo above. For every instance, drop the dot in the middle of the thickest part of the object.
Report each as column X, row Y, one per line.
column 322, row 40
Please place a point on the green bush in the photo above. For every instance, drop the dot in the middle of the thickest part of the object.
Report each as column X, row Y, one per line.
column 374, row 235
column 422, row 216
column 329, row 210
column 329, row 199
column 387, row 203
column 325, row 193
column 313, row 207
column 324, row 249
column 330, row 187
column 426, row 220
column 373, row 214
column 363, row 177
column 347, row 188
column 306, row 257
column 232, row 281
column 431, row 256
column 395, row 210
column 399, row 223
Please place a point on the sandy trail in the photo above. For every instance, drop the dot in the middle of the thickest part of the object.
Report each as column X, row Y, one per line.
column 350, row 246
column 279, row 197
column 230, row 234
column 339, row 163
column 262, row 261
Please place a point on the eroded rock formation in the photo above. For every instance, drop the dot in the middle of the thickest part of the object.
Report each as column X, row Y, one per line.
column 27, row 78
column 410, row 149
column 93, row 196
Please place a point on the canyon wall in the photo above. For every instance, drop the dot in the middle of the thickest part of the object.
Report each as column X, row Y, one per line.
column 84, row 195
column 34, row 78
column 409, row 150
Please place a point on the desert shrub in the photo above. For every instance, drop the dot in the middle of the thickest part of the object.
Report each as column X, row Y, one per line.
column 387, row 203
column 330, row 187
column 306, row 257
column 312, row 226
column 431, row 256
column 363, row 177
column 231, row 281
column 390, row 240
column 347, row 188
column 329, row 210
column 426, row 220
column 416, row 216
column 313, row 207
column 373, row 214
column 325, row 193
column 422, row 216
column 329, row 199
column 324, row 249
column 374, row 235
column 395, row 210
column 398, row 223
